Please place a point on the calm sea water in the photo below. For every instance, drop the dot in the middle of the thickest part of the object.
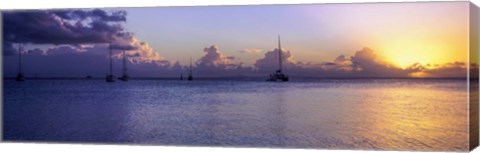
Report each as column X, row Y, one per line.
column 340, row 114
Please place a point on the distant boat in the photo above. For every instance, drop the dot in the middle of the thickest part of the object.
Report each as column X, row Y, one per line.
column 110, row 77
column 190, row 77
column 278, row 75
column 20, row 76
column 124, row 77
column 181, row 76
column 88, row 77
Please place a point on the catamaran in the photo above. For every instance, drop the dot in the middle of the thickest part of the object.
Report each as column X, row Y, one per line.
column 278, row 75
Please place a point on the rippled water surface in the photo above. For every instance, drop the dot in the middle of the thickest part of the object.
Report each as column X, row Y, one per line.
column 337, row 114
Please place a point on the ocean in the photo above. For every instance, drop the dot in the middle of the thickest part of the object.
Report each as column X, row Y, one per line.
column 371, row 114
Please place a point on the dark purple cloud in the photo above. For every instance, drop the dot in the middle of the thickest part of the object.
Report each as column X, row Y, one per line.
column 95, row 13
column 124, row 47
column 36, row 51
column 447, row 70
column 8, row 49
column 341, row 63
column 64, row 26
column 75, row 31
column 177, row 66
column 366, row 63
column 64, row 49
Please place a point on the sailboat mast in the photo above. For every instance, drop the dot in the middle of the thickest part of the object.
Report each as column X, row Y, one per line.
column 20, row 58
column 190, row 66
column 110, row 48
column 279, row 54
column 124, row 63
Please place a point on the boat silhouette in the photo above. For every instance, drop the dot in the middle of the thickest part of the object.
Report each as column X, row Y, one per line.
column 20, row 76
column 278, row 74
column 110, row 77
column 124, row 77
column 190, row 77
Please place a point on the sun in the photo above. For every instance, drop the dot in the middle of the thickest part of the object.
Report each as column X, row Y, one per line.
column 404, row 57
column 403, row 61
column 405, row 53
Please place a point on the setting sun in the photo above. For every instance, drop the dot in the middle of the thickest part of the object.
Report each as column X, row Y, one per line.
column 403, row 61
column 407, row 51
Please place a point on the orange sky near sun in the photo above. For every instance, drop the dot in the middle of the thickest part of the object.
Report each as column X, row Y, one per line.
column 401, row 34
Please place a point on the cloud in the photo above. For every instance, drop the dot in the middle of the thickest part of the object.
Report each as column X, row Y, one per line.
column 95, row 13
column 214, row 59
column 57, row 64
column 447, row 70
column 137, row 52
column 8, row 49
column 77, row 61
column 81, row 39
column 36, row 51
column 82, row 60
column 341, row 63
column 251, row 50
column 216, row 64
column 64, row 49
column 364, row 58
column 365, row 63
column 76, row 31
column 64, row 26
column 177, row 66
column 270, row 63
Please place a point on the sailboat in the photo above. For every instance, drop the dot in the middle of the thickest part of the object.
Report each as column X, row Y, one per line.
column 190, row 77
column 109, row 77
column 20, row 76
column 124, row 77
column 278, row 75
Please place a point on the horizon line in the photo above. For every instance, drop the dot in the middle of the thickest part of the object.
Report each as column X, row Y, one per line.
column 243, row 77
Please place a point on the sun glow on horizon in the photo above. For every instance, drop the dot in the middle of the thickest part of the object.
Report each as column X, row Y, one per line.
column 406, row 51
column 401, row 34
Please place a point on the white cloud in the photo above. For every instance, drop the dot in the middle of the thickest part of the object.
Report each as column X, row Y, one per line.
column 251, row 50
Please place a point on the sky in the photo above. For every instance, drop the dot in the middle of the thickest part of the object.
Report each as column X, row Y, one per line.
column 426, row 39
